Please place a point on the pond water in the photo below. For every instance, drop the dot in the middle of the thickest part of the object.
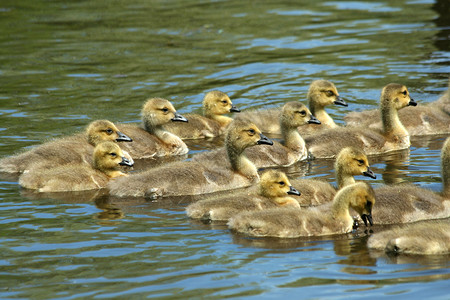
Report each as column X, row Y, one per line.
column 65, row 63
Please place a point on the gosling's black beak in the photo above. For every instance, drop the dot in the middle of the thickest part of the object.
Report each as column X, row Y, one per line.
column 178, row 118
column 340, row 101
column 412, row 102
column 125, row 162
column 366, row 218
column 370, row 173
column 293, row 191
column 123, row 138
column 264, row 140
column 313, row 120
column 234, row 109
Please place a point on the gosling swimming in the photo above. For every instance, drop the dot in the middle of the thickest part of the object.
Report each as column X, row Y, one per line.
column 349, row 162
column 152, row 140
column 213, row 122
column 77, row 148
column 273, row 190
column 233, row 170
column 394, row 136
column 290, row 151
column 328, row 219
column 107, row 161
column 321, row 93
column 423, row 238
column 407, row 203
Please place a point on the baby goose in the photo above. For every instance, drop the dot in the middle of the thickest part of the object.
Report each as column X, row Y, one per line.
column 152, row 140
column 393, row 136
column 320, row 94
column 199, row 177
column 429, row 119
column 333, row 218
column 213, row 122
column 409, row 203
column 423, row 238
column 293, row 149
column 349, row 162
column 107, row 161
column 272, row 191
column 77, row 148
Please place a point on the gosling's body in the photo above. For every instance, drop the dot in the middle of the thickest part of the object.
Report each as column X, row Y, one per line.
column 151, row 139
column 394, row 136
column 213, row 122
column 199, row 177
column 326, row 219
column 321, row 93
column 409, row 203
column 422, row 238
column 273, row 190
column 290, row 151
column 77, row 148
column 429, row 119
column 349, row 162
column 107, row 161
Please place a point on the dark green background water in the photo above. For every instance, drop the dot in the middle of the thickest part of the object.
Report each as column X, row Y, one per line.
column 65, row 63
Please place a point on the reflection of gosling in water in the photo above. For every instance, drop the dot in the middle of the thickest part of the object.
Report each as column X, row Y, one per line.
column 108, row 159
column 394, row 136
column 152, row 140
column 273, row 190
column 425, row 238
column 77, row 148
column 321, row 93
column 291, row 150
column 407, row 203
column 213, row 122
column 432, row 118
column 349, row 162
column 333, row 218
column 199, row 177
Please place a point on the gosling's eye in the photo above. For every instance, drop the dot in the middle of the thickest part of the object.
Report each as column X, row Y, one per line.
column 251, row 131
column 405, row 93
column 302, row 113
column 224, row 101
column 109, row 131
column 329, row 93
column 360, row 161
column 282, row 183
column 113, row 154
column 165, row 110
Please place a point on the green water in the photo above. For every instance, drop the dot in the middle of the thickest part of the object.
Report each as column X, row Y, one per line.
column 65, row 63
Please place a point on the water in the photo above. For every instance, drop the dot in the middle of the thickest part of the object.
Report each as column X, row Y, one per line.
column 65, row 64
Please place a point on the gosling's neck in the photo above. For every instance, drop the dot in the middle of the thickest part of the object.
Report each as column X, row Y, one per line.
column 342, row 177
column 222, row 120
column 160, row 132
column 292, row 138
column 319, row 112
column 111, row 173
column 340, row 207
column 240, row 163
column 393, row 128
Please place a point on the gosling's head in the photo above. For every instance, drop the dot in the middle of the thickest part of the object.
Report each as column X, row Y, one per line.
column 104, row 130
column 397, row 96
column 243, row 134
column 353, row 162
column 109, row 157
column 217, row 103
column 295, row 114
column 159, row 111
column 322, row 93
column 362, row 200
column 274, row 183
